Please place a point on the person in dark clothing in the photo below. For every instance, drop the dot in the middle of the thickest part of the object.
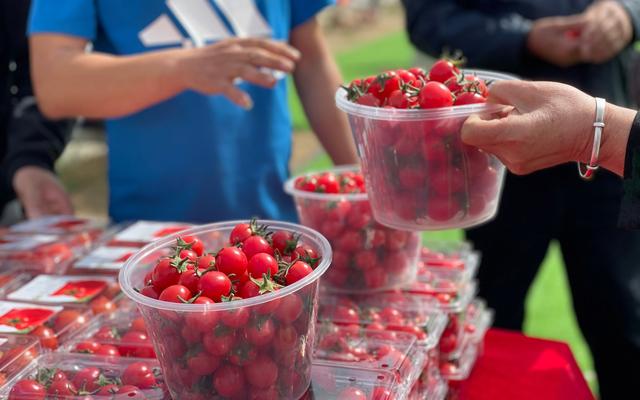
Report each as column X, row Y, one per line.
column 29, row 142
column 584, row 44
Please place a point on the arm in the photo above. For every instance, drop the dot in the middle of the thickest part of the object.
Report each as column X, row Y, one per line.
column 69, row 81
column 317, row 78
column 495, row 42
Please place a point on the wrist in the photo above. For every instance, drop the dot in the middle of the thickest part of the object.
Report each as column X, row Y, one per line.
column 175, row 69
column 618, row 121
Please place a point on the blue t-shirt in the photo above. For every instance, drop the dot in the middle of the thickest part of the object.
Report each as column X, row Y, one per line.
column 193, row 157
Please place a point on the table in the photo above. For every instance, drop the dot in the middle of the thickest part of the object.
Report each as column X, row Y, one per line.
column 516, row 367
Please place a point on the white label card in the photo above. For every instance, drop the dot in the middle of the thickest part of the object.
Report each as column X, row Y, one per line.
column 147, row 231
column 61, row 289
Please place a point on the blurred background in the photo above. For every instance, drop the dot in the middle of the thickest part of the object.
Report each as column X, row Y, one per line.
column 366, row 36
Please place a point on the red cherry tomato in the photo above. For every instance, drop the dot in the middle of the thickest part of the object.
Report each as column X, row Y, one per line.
column 139, row 374
column 231, row 261
column 435, row 95
column 175, row 294
column 214, row 285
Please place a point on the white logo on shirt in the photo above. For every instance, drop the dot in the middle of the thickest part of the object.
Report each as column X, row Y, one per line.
column 202, row 23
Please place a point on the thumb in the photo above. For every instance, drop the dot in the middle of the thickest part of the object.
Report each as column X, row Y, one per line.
column 479, row 132
column 574, row 22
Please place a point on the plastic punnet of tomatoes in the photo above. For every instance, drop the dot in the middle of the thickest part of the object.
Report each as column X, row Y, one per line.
column 102, row 260
column 83, row 232
column 430, row 385
column 451, row 297
column 96, row 292
column 51, row 324
column 367, row 256
column 140, row 233
column 419, row 174
column 120, row 334
column 332, row 381
column 372, row 350
column 386, row 313
column 66, row 376
column 16, row 352
column 458, row 368
column 36, row 252
column 470, row 325
column 236, row 323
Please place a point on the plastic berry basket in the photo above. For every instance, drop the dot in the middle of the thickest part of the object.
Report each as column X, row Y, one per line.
column 367, row 256
column 120, row 334
column 43, row 253
column 430, row 384
column 419, row 174
column 16, row 352
column 217, row 335
column 371, row 350
column 387, row 313
column 51, row 325
column 332, row 382
column 92, row 377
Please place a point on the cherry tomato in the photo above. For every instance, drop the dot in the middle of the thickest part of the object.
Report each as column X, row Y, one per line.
column 368, row 99
column 262, row 263
column 196, row 244
column 214, row 285
column 299, row 270
column 398, row 99
column 67, row 318
column 164, row 275
column 442, row 70
column 87, row 379
column 262, row 373
column 108, row 350
column 290, row 308
column 206, row 261
column 190, row 279
column 202, row 364
column 61, row 388
column 352, row 393
column 284, row 242
column 108, row 390
column 435, row 95
column 229, row 381
column 328, row 183
column 149, row 291
column 260, row 332
column 87, row 347
column 469, row 98
column 136, row 344
column 231, row 261
column 130, row 392
column 106, row 333
column 102, row 304
column 236, row 318
column 219, row 342
column 240, row 233
column 256, row 245
column 175, row 294
column 48, row 338
column 27, row 389
column 139, row 374
column 188, row 254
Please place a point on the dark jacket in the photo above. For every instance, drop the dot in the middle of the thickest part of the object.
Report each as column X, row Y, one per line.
column 26, row 136
column 492, row 35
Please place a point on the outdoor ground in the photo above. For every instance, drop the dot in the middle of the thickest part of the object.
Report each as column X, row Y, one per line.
column 360, row 49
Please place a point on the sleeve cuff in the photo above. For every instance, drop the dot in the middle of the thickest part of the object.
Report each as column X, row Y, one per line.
column 633, row 9
column 629, row 217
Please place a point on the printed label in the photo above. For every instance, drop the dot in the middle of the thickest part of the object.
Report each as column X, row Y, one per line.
column 61, row 289
column 146, row 231
column 23, row 317
column 106, row 258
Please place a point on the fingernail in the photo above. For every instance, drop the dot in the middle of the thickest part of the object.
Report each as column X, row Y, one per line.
column 247, row 103
column 296, row 53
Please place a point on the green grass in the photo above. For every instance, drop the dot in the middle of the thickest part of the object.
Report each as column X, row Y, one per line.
column 549, row 308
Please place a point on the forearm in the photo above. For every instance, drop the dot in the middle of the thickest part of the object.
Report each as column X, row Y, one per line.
column 317, row 78
column 71, row 83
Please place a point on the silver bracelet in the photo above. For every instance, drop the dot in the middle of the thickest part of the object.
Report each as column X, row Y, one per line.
column 587, row 171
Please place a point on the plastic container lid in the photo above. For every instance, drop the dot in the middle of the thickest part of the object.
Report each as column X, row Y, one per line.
column 392, row 114
column 450, row 304
column 111, row 368
column 58, row 225
column 16, row 352
column 459, row 368
column 331, row 382
column 392, row 312
column 139, row 233
column 36, row 252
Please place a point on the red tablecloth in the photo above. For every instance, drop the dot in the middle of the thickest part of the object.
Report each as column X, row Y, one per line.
column 516, row 367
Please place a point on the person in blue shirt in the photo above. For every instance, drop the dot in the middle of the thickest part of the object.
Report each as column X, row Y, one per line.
column 198, row 124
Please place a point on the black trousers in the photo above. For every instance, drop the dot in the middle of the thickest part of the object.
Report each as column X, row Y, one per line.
column 602, row 262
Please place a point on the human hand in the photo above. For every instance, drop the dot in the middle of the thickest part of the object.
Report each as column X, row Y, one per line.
column 214, row 68
column 551, row 40
column 607, row 30
column 40, row 192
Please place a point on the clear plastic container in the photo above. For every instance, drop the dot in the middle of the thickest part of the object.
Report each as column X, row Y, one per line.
column 16, row 352
column 36, row 252
column 121, row 334
column 419, row 174
column 387, row 313
column 367, row 256
column 336, row 382
column 451, row 299
column 81, row 232
column 468, row 326
column 102, row 260
column 370, row 350
column 98, row 293
column 281, row 323
column 52, row 325
column 458, row 368
column 90, row 377
column 140, row 233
